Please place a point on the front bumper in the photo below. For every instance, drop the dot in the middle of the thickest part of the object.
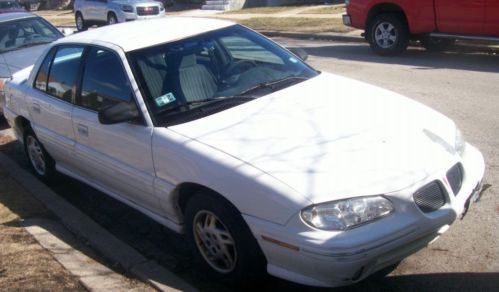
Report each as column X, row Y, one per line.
column 131, row 16
column 308, row 256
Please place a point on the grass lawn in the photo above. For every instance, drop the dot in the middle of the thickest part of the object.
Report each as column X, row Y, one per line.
column 295, row 24
column 325, row 10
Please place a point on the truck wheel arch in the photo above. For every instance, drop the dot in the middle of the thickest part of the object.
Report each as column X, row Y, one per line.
column 384, row 8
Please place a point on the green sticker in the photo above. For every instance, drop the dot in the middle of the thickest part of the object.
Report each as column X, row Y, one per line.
column 164, row 99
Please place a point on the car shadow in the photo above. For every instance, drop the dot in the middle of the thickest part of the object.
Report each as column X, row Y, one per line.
column 471, row 58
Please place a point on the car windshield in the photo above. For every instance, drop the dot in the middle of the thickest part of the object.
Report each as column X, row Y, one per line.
column 201, row 75
column 26, row 32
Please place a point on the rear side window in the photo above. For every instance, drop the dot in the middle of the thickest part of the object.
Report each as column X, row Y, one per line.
column 43, row 73
column 105, row 82
column 63, row 71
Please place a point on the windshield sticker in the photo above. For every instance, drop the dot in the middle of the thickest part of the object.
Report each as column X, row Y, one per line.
column 293, row 60
column 164, row 99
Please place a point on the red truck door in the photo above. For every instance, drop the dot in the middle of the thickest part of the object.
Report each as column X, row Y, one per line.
column 492, row 18
column 461, row 16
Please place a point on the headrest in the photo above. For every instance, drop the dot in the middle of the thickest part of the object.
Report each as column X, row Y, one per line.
column 188, row 61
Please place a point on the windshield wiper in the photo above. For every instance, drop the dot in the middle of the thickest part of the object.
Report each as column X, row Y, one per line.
column 212, row 100
column 275, row 84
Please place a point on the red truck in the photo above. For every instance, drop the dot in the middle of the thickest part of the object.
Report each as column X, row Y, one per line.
column 390, row 24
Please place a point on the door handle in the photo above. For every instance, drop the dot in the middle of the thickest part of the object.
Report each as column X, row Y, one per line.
column 36, row 108
column 83, row 130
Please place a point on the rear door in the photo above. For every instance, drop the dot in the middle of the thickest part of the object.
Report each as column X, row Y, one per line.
column 492, row 18
column 116, row 157
column 461, row 16
column 50, row 101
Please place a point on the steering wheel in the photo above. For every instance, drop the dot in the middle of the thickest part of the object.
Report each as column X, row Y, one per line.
column 32, row 37
column 240, row 65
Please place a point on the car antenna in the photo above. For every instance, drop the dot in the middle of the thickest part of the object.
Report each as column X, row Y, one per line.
column 7, row 64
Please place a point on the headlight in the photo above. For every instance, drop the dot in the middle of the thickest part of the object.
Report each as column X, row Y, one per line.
column 346, row 214
column 460, row 144
column 127, row 8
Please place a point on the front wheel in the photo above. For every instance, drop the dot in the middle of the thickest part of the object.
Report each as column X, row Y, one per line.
column 388, row 34
column 221, row 241
column 41, row 163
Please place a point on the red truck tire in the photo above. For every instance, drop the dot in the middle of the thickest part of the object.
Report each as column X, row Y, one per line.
column 388, row 34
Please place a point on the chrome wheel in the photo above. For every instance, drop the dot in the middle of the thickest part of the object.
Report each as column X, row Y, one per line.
column 385, row 35
column 36, row 155
column 214, row 242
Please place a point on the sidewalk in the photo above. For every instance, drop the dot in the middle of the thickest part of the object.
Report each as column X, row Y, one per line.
column 39, row 252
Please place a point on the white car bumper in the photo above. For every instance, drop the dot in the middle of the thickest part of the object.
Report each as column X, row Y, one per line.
column 314, row 257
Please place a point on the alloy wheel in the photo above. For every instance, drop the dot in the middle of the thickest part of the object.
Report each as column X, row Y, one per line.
column 36, row 156
column 214, row 242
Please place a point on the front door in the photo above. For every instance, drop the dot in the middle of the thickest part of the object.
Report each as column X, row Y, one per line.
column 116, row 157
column 460, row 16
column 492, row 18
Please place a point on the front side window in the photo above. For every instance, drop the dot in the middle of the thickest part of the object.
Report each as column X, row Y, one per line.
column 104, row 81
column 63, row 72
column 198, row 76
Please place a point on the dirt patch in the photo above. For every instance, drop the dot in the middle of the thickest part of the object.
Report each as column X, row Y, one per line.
column 24, row 264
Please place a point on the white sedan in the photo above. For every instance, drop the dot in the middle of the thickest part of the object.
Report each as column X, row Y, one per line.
column 265, row 163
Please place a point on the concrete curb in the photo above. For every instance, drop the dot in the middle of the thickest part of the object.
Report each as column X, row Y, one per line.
column 99, row 239
column 55, row 238
column 337, row 37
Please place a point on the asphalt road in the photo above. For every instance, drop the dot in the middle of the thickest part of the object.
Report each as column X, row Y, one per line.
column 464, row 86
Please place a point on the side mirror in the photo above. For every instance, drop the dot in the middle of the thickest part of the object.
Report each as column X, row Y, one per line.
column 67, row 31
column 301, row 53
column 118, row 113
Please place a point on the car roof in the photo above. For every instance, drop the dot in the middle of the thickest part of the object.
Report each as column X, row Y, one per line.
column 145, row 33
column 15, row 15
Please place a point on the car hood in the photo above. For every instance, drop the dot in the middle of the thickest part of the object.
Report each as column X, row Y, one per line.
column 331, row 137
column 13, row 61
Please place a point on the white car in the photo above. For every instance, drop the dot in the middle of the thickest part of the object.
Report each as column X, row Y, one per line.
column 90, row 12
column 265, row 163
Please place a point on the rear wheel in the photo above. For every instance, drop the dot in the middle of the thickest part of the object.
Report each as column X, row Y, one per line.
column 80, row 22
column 111, row 19
column 221, row 241
column 388, row 34
column 41, row 163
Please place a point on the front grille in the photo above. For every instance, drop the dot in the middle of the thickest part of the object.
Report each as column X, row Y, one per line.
column 150, row 10
column 455, row 178
column 430, row 197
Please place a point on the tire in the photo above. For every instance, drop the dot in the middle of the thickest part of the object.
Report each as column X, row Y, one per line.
column 81, row 25
column 42, row 165
column 388, row 34
column 111, row 19
column 437, row 44
column 222, row 243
